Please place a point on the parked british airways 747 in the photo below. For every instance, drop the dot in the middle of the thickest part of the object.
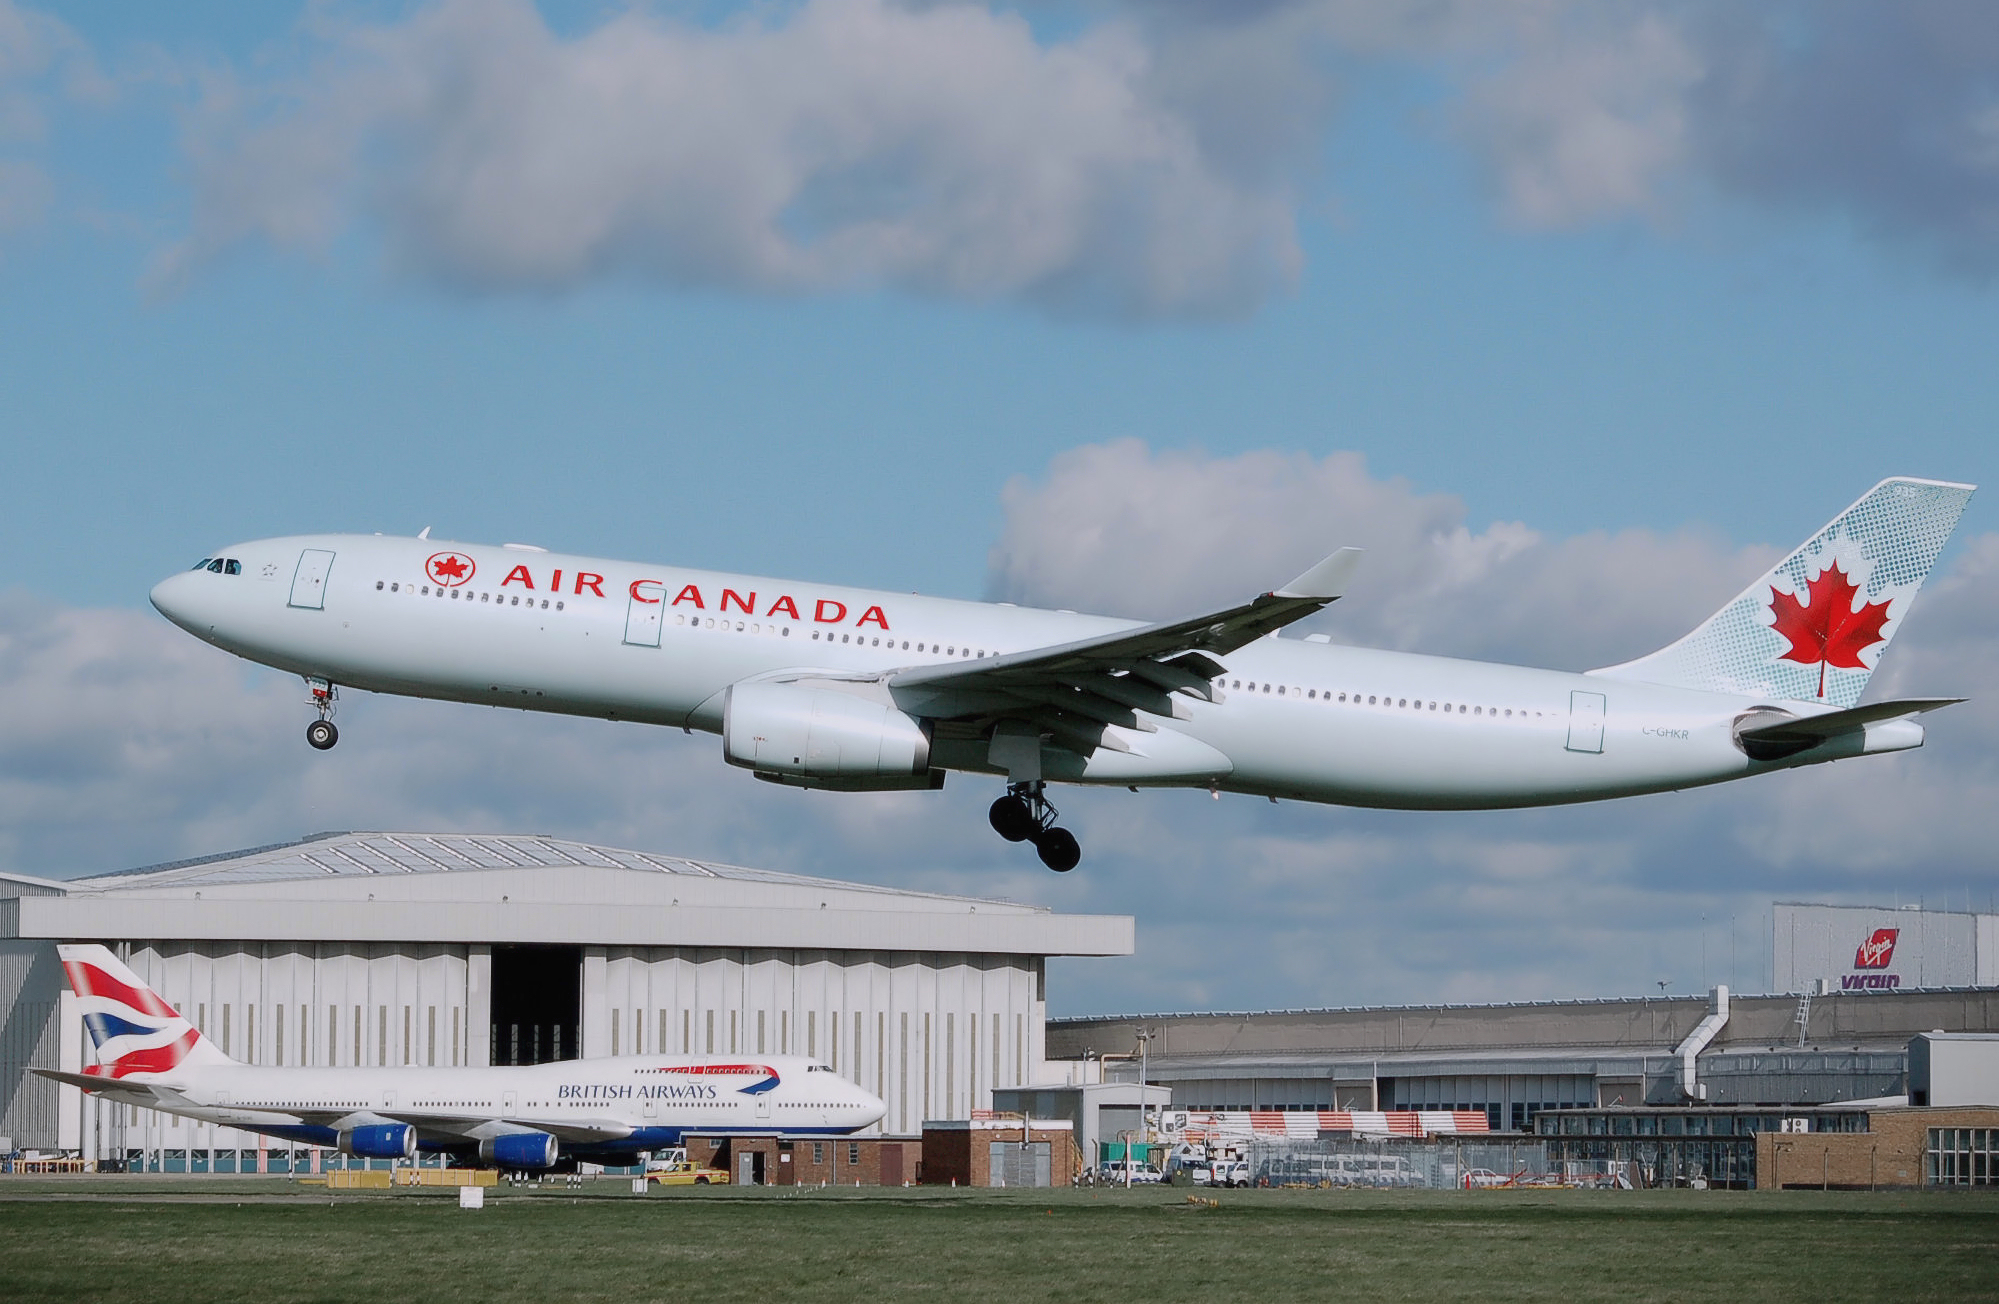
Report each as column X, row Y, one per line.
column 826, row 687
column 532, row 1117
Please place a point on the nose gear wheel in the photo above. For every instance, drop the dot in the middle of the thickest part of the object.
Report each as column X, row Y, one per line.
column 321, row 733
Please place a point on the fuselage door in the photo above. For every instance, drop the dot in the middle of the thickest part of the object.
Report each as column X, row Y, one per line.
column 763, row 1106
column 642, row 615
column 1586, row 712
column 309, row 581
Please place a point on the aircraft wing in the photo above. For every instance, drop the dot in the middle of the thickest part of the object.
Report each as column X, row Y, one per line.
column 1075, row 689
column 575, row 1130
column 579, row 1130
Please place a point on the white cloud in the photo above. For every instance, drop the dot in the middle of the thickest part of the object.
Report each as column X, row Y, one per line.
column 1585, row 125
column 1120, row 528
column 847, row 143
column 42, row 62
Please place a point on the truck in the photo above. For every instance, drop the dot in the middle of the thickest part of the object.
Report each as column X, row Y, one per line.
column 674, row 1168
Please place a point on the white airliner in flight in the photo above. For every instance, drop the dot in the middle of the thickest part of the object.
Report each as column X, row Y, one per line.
column 605, row 1111
column 827, row 687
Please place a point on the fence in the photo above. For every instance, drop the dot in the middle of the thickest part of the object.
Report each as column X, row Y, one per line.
column 1441, row 1164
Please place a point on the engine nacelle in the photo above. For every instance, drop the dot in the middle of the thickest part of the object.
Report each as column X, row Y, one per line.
column 819, row 737
column 380, row 1141
column 530, row 1150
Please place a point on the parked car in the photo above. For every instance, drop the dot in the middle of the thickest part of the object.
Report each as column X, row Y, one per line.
column 1118, row 1171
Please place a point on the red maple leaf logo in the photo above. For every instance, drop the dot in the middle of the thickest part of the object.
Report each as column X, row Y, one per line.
column 1825, row 630
column 449, row 568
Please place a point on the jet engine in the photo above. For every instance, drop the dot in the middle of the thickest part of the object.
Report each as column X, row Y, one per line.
column 380, row 1141
column 535, row 1150
column 823, row 738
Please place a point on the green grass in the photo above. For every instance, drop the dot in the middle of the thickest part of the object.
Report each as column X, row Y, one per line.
column 115, row 1239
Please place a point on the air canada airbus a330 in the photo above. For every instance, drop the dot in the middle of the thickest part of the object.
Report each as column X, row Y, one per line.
column 825, row 687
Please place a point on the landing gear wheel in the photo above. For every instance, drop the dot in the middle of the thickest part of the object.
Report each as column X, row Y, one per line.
column 321, row 734
column 1025, row 815
column 1013, row 819
column 1059, row 849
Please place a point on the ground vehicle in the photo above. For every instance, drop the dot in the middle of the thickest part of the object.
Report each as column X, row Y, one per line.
column 1118, row 1172
column 674, row 1168
column 1224, row 1172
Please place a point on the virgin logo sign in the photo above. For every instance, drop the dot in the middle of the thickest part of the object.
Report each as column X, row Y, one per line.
column 1878, row 950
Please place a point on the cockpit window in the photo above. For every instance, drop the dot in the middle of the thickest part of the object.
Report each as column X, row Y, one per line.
column 220, row 565
column 202, row 564
column 232, row 567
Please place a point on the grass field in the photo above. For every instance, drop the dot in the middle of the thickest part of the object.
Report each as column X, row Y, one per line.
column 115, row 1239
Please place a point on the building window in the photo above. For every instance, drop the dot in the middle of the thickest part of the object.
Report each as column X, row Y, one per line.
column 818, row 1152
column 853, row 1154
column 1964, row 1156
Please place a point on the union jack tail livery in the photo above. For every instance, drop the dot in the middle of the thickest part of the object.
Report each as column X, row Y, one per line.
column 1814, row 627
column 134, row 1030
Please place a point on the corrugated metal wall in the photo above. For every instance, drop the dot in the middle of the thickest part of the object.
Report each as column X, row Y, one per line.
column 931, row 1033
column 31, row 988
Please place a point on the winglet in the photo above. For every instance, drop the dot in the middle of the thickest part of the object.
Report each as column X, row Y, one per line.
column 1326, row 581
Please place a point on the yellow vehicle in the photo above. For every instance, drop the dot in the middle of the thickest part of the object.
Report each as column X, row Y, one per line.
column 674, row 1168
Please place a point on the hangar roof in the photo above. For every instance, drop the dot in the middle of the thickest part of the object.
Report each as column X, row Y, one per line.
column 476, row 888
column 425, row 853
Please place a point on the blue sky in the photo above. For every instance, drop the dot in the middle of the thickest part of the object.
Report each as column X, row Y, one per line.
column 1523, row 288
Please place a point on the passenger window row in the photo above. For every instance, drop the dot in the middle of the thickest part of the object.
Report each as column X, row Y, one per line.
column 739, row 627
column 1400, row 703
column 859, row 640
column 496, row 599
column 219, row 565
column 926, row 647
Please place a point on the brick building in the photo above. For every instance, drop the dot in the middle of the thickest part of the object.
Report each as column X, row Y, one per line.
column 1901, row 1147
column 993, row 1152
column 836, row 1161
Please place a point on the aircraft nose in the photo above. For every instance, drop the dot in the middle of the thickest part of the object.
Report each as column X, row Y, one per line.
column 175, row 597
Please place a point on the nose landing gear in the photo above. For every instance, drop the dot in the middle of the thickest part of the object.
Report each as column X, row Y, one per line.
column 320, row 734
column 1025, row 815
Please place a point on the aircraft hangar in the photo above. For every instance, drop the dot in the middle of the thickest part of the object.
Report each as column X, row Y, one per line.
column 430, row 948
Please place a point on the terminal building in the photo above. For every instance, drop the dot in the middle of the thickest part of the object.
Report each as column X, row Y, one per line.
column 1856, row 985
column 442, row 949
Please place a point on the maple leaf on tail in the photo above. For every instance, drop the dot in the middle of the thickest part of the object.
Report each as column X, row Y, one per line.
column 1825, row 630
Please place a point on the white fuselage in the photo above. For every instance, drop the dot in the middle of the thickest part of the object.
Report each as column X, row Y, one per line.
column 595, row 1108
column 662, row 645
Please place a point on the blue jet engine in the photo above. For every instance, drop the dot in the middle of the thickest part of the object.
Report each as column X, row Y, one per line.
column 531, row 1150
column 381, row 1141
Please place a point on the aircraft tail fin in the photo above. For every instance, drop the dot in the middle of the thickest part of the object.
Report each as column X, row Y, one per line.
column 1814, row 627
column 133, row 1028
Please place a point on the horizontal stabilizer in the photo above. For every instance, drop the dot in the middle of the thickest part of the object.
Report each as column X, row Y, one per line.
column 1773, row 735
column 99, row 1082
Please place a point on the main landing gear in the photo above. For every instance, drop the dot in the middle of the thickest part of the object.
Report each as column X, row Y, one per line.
column 320, row 734
column 1024, row 815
